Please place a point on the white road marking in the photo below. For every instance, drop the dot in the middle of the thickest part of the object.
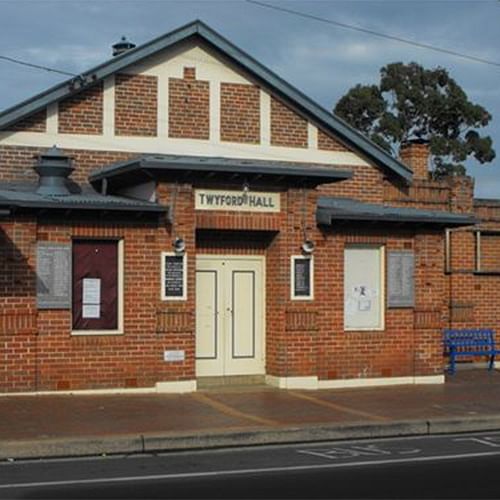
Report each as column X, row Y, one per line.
column 293, row 468
column 486, row 440
column 371, row 450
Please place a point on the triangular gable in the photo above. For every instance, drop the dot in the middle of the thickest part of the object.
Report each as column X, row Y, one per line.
column 279, row 87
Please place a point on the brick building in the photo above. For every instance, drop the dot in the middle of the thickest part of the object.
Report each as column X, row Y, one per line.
column 202, row 219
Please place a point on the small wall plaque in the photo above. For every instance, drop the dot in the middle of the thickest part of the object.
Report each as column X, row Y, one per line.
column 170, row 356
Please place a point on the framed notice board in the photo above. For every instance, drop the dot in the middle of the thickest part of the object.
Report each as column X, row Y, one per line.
column 173, row 276
column 53, row 271
column 401, row 279
column 302, row 277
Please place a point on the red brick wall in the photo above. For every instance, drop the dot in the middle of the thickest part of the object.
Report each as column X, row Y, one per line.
column 16, row 162
column 36, row 122
column 18, row 326
column 136, row 104
column 366, row 184
column 327, row 143
column 287, row 127
column 189, row 107
column 302, row 337
column 407, row 346
column 240, row 113
column 82, row 113
column 43, row 355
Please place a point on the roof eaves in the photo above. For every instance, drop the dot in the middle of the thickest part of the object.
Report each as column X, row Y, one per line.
column 330, row 209
column 85, row 204
column 222, row 165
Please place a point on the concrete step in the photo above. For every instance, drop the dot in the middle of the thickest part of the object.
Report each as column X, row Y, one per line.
column 206, row 383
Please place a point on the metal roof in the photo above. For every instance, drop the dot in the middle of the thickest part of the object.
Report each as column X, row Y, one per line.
column 278, row 86
column 345, row 209
column 198, row 168
column 495, row 202
column 16, row 195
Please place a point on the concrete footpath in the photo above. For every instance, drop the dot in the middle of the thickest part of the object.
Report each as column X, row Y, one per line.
column 77, row 425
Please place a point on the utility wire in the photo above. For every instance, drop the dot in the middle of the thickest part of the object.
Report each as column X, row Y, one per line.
column 375, row 33
column 45, row 68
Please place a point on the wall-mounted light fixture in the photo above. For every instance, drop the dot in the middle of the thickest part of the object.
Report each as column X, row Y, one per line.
column 179, row 246
column 308, row 247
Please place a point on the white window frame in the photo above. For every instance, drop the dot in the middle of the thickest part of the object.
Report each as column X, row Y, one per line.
column 293, row 258
column 121, row 296
column 169, row 298
column 382, row 302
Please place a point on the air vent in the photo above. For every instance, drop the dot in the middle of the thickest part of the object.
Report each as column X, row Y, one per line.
column 122, row 46
column 53, row 169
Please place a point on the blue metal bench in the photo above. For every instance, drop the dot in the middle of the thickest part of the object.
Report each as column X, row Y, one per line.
column 470, row 342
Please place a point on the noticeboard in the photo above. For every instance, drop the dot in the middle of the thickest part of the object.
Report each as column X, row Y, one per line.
column 302, row 277
column 401, row 279
column 53, row 270
column 174, row 277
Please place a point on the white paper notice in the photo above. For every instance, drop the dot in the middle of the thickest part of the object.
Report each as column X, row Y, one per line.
column 91, row 298
column 91, row 291
column 91, row 311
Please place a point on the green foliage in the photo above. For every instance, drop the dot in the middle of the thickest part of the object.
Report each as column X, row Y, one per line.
column 413, row 103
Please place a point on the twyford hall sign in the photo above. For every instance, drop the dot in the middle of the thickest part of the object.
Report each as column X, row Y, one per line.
column 251, row 201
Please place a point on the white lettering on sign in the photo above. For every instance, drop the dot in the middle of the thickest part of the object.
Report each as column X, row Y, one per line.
column 211, row 199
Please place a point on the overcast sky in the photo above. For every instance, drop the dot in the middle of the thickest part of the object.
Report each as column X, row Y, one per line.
column 322, row 60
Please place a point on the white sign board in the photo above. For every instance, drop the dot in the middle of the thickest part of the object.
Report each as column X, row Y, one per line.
column 236, row 201
column 174, row 355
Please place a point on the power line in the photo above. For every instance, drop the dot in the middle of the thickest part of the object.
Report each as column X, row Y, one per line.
column 45, row 68
column 375, row 33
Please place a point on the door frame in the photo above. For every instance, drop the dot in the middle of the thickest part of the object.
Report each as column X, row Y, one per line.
column 262, row 260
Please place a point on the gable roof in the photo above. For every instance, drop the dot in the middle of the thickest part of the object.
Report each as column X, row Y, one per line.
column 199, row 29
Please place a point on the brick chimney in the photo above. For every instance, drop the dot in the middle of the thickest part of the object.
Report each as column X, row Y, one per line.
column 415, row 154
column 461, row 193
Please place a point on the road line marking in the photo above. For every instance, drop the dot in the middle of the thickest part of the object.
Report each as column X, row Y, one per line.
column 338, row 407
column 230, row 411
column 233, row 472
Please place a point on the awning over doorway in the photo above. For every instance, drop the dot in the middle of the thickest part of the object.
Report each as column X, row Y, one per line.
column 203, row 168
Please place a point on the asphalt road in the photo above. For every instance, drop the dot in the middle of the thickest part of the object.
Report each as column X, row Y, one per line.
column 453, row 466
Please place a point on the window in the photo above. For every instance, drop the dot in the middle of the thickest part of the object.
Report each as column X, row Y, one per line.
column 488, row 252
column 97, row 286
column 363, row 288
column 460, row 256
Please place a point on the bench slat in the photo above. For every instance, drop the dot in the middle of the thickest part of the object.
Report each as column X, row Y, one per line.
column 470, row 342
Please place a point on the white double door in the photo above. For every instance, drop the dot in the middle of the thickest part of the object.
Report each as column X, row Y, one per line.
column 229, row 315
